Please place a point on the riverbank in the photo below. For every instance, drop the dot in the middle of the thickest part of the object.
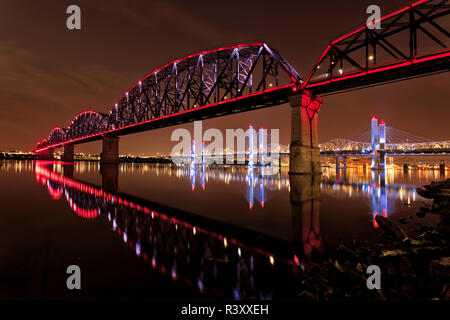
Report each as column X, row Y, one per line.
column 411, row 267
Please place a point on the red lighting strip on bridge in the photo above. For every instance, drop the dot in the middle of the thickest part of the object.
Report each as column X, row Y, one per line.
column 165, row 66
column 59, row 128
column 358, row 30
column 381, row 19
column 403, row 63
column 189, row 57
column 164, row 117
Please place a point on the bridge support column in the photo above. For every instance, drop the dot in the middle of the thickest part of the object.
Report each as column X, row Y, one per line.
column 304, row 155
column 68, row 153
column 338, row 162
column 46, row 154
column 304, row 199
column 110, row 151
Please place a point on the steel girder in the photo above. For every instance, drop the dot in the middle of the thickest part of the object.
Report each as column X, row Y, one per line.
column 205, row 79
column 343, row 145
column 86, row 123
column 412, row 42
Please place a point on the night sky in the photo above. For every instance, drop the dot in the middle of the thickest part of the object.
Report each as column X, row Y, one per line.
column 48, row 74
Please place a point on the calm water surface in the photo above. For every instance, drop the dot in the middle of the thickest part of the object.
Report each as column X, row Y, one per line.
column 161, row 231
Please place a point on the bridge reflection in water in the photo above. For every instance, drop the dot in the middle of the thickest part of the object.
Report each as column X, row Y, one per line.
column 218, row 258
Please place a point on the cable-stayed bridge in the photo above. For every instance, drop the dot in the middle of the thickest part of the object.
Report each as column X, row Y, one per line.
column 397, row 141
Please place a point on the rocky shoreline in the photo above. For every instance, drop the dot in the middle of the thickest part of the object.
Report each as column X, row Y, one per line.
column 411, row 267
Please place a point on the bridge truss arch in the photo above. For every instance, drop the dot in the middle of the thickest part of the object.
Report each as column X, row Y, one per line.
column 237, row 74
column 413, row 41
column 206, row 78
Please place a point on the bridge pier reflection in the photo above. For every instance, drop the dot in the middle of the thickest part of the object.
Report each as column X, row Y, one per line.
column 305, row 211
column 379, row 197
column 68, row 170
column 110, row 177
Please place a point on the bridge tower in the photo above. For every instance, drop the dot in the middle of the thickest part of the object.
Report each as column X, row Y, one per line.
column 304, row 153
column 374, row 131
column 378, row 144
column 382, row 142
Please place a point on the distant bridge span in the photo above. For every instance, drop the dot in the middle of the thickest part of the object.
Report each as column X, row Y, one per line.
column 412, row 42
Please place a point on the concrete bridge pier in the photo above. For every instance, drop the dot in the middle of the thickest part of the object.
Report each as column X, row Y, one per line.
column 304, row 199
column 110, row 150
column 405, row 168
column 68, row 155
column 304, row 156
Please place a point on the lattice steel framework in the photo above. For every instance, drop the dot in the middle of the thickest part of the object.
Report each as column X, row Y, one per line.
column 411, row 42
column 84, row 124
column 234, row 75
column 339, row 145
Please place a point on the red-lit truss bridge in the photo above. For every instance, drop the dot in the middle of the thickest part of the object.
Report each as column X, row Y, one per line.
column 412, row 42
column 204, row 85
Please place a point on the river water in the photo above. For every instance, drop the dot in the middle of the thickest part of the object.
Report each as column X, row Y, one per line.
column 164, row 231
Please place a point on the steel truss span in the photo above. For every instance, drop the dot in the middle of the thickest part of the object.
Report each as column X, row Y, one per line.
column 412, row 42
column 343, row 146
column 204, row 85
